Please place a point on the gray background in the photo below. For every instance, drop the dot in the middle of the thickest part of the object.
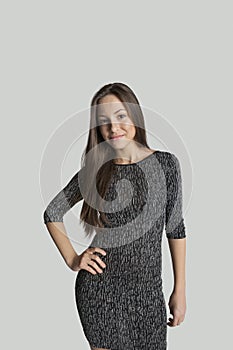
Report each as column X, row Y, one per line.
column 177, row 57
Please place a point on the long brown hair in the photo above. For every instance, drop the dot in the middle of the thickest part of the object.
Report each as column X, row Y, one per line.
column 97, row 169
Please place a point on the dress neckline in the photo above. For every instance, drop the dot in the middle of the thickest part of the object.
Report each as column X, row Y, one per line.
column 139, row 161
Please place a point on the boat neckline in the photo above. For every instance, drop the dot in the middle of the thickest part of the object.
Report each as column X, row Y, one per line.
column 139, row 161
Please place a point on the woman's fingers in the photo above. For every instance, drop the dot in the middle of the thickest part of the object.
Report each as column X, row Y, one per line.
column 171, row 322
column 95, row 265
column 90, row 260
column 98, row 250
column 175, row 321
column 97, row 258
column 89, row 269
column 87, row 264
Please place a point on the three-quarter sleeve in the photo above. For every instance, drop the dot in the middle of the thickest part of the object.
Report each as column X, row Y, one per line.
column 174, row 221
column 63, row 201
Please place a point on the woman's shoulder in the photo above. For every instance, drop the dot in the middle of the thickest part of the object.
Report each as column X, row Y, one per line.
column 168, row 160
column 166, row 155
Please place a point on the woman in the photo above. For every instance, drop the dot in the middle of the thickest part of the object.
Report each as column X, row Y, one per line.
column 129, row 193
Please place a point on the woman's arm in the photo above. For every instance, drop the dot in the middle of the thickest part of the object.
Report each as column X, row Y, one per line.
column 175, row 231
column 177, row 300
column 58, row 234
column 53, row 218
column 178, row 255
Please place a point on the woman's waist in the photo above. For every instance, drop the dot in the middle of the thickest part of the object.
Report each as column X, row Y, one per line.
column 148, row 277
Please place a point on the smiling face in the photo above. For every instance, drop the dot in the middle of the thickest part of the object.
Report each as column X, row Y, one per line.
column 115, row 125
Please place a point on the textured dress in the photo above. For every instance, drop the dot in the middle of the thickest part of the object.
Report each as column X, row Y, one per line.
column 124, row 307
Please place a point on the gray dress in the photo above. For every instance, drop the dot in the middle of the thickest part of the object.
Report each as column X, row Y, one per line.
column 124, row 307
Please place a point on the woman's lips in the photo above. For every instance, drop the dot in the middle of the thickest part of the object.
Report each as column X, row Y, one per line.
column 116, row 137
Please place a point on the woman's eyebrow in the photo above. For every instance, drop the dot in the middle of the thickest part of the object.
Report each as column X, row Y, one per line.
column 121, row 109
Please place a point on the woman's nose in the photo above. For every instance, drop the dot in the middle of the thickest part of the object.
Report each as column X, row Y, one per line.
column 114, row 126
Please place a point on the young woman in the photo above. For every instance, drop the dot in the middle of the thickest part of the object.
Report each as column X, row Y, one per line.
column 129, row 193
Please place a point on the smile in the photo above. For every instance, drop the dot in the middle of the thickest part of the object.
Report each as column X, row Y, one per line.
column 116, row 137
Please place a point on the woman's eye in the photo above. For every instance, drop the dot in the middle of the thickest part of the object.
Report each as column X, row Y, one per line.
column 103, row 121
column 106, row 121
column 122, row 115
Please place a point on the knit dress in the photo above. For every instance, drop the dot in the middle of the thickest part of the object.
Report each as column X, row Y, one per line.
column 124, row 307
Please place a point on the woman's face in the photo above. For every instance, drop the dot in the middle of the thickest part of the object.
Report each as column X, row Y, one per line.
column 114, row 123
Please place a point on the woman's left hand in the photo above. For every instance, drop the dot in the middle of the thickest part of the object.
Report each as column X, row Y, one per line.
column 177, row 306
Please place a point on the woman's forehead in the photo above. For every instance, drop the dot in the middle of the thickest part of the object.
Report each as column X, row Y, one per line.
column 110, row 108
